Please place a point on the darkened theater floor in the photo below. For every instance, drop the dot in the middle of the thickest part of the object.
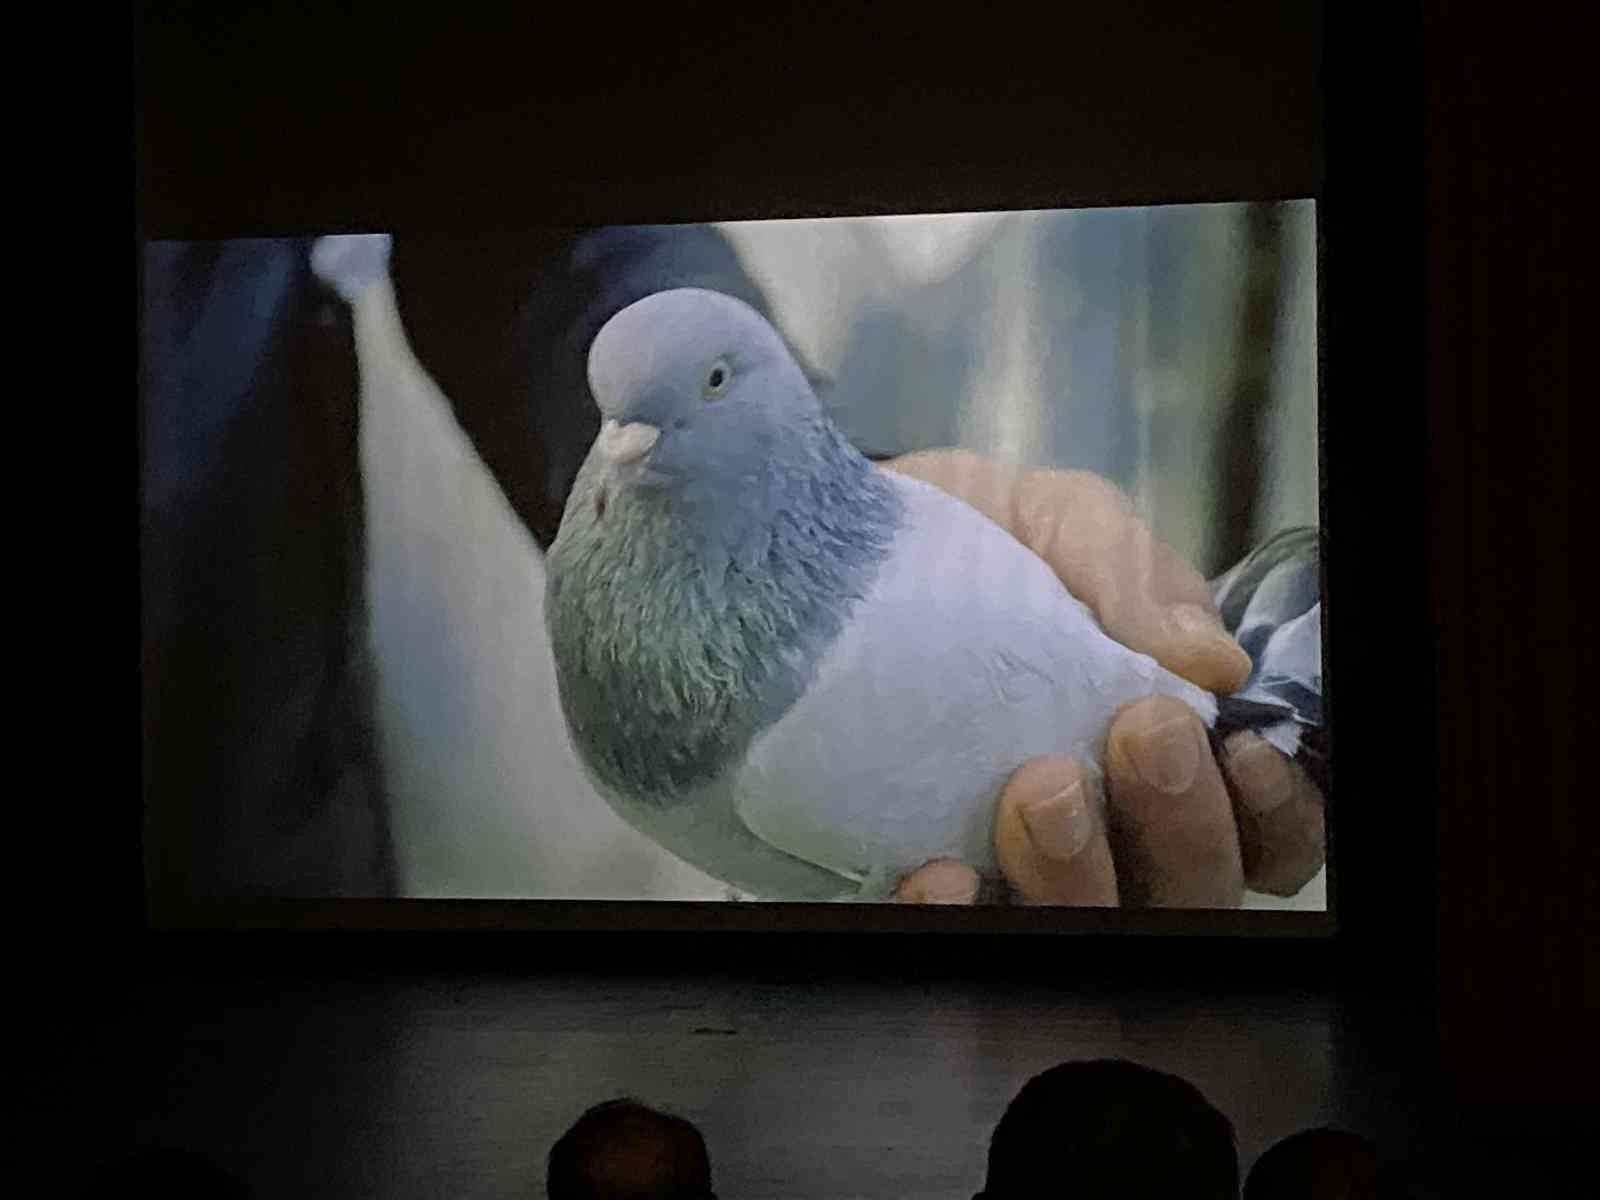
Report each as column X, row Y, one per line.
column 814, row 1080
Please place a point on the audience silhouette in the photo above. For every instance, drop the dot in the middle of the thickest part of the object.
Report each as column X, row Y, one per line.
column 1109, row 1127
column 1316, row 1164
column 625, row 1150
column 1095, row 1128
column 1088, row 1129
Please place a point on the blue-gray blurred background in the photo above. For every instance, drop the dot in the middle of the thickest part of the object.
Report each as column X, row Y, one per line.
column 1172, row 348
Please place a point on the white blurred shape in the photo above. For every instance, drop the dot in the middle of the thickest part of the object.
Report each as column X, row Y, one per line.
column 487, row 798
column 1008, row 416
column 928, row 249
column 1292, row 484
column 814, row 274
column 351, row 262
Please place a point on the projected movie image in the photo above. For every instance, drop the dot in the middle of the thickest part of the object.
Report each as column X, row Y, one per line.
column 956, row 559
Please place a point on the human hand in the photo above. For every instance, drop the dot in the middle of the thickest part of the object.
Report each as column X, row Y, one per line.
column 1183, row 823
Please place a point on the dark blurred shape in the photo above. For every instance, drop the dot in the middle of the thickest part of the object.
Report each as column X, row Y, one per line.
column 1111, row 1128
column 624, row 1150
column 170, row 1174
column 503, row 326
column 1241, row 440
column 1316, row 1164
column 1271, row 601
column 260, row 772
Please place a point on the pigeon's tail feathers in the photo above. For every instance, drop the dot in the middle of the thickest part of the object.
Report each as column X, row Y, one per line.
column 1271, row 601
column 350, row 263
column 1288, row 559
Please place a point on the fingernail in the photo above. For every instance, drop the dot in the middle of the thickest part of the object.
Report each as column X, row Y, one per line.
column 1251, row 767
column 1168, row 756
column 1059, row 826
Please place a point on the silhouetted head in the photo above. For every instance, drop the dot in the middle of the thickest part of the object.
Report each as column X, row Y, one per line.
column 1110, row 1128
column 692, row 384
column 625, row 1150
column 1316, row 1164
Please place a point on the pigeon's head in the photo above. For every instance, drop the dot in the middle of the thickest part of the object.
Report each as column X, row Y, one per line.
column 695, row 387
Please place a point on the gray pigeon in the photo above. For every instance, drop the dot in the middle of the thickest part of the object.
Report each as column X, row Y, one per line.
column 801, row 673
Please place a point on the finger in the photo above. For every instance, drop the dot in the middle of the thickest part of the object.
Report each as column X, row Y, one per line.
column 987, row 484
column 1171, row 820
column 1280, row 812
column 1049, row 835
column 941, row 881
column 1141, row 590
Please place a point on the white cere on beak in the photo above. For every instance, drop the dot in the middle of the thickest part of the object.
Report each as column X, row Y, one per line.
column 628, row 443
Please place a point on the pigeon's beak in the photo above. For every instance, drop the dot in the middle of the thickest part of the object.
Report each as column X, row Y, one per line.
column 620, row 444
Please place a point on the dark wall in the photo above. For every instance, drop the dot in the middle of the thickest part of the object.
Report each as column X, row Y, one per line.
column 264, row 124
column 1519, row 968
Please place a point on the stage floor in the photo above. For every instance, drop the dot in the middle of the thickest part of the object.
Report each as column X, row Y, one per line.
column 434, row 1082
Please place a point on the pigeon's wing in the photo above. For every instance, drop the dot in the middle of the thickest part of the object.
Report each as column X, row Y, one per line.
column 706, row 830
column 966, row 658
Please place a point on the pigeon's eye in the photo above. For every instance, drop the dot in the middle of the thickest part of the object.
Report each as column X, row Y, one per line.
column 717, row 379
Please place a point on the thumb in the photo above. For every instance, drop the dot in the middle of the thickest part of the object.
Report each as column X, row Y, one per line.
column 1140, row 589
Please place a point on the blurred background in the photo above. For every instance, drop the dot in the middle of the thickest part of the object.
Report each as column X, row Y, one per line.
column 348, row 687
column 1172, row 349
